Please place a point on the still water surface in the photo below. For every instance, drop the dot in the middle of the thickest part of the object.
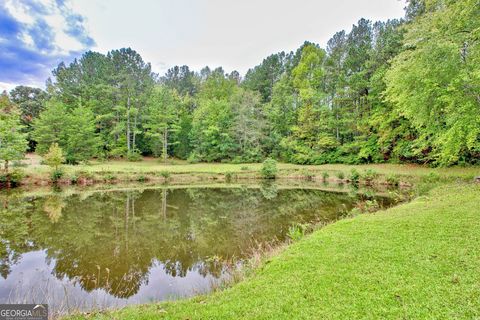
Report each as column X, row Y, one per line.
column 88, row 250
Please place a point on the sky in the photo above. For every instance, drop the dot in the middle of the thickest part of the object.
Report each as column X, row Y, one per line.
column 36, row 35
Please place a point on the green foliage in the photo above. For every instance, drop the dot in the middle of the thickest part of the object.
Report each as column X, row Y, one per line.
column 54, row 157
column 431, row 178
column 269, row 169
column 50, row 127
column 13, row 143
column 82, row 141
column 162, row 120
column 307, row 175
column 296, row 232
column 134, row 156
column 193, row 158
column 110, row 177
column 325, row 176
column 74, row 131
column 56, row 174
column 435, row 85
column 354, row 176
column 369, row 175
column 393, row 180
column 228, row 176
column 73, row 179
column 340, row 175
column 165, row 174
column 14, row 177
column 30, row 102
column 394, row 91
column 142, row 178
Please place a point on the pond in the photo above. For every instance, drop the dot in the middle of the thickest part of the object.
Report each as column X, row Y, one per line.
column 83, row 250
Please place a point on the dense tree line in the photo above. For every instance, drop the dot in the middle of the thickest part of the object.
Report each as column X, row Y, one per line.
column 400, row 91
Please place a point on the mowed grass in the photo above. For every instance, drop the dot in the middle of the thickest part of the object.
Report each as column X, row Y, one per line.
column 420, row 260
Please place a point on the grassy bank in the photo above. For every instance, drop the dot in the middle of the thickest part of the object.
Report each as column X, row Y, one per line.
column 415, row 261
column 179, row 171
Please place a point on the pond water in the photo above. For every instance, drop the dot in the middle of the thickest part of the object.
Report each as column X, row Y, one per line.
column 85, row 250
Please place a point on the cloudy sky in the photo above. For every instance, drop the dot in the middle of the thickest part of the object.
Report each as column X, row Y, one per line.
column 36, row 35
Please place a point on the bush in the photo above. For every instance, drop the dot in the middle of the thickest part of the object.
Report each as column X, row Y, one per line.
column 244, row 168
column 193, row 158
column 325, row 176
column 165, row 174
column 340, row 175
column 307, row 175
column 296, row 232
column 56, row 175
column 134, row 156
column 73, row 179
column 393, row 180
column 110, row 177
column 236, row 160
column 141, row 178
column 369, row 175
column 228, row 176
column 269, row 169
column 354, row 175
column 15, row 177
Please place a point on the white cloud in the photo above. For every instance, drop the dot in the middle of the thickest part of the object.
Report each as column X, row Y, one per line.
column 231, row 33
column 19, row 12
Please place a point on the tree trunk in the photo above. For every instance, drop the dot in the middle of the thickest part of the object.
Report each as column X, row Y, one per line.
column 165, row 144
column 134, row 129
column 128, row 124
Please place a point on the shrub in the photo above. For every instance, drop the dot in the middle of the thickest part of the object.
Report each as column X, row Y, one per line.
column 110, row 177
column 165, row 174
column 325, row 176
column 237, row 160
column 354, row 175
column 141, row 178
column 73, row 179
column 244, row 168
column 369, row 175
column 134, row 156
column 15, row 177
column 296, row 232
column 393, row 180
column 193, row 158
column 228, row 176
column 307, row 175
column 340, row 175
column 56, row 175
column 269, row 169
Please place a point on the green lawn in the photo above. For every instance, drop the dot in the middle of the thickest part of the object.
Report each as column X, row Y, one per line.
column 420, row 260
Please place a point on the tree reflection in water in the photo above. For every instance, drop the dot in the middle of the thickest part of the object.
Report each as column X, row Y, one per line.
column 110, row 240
